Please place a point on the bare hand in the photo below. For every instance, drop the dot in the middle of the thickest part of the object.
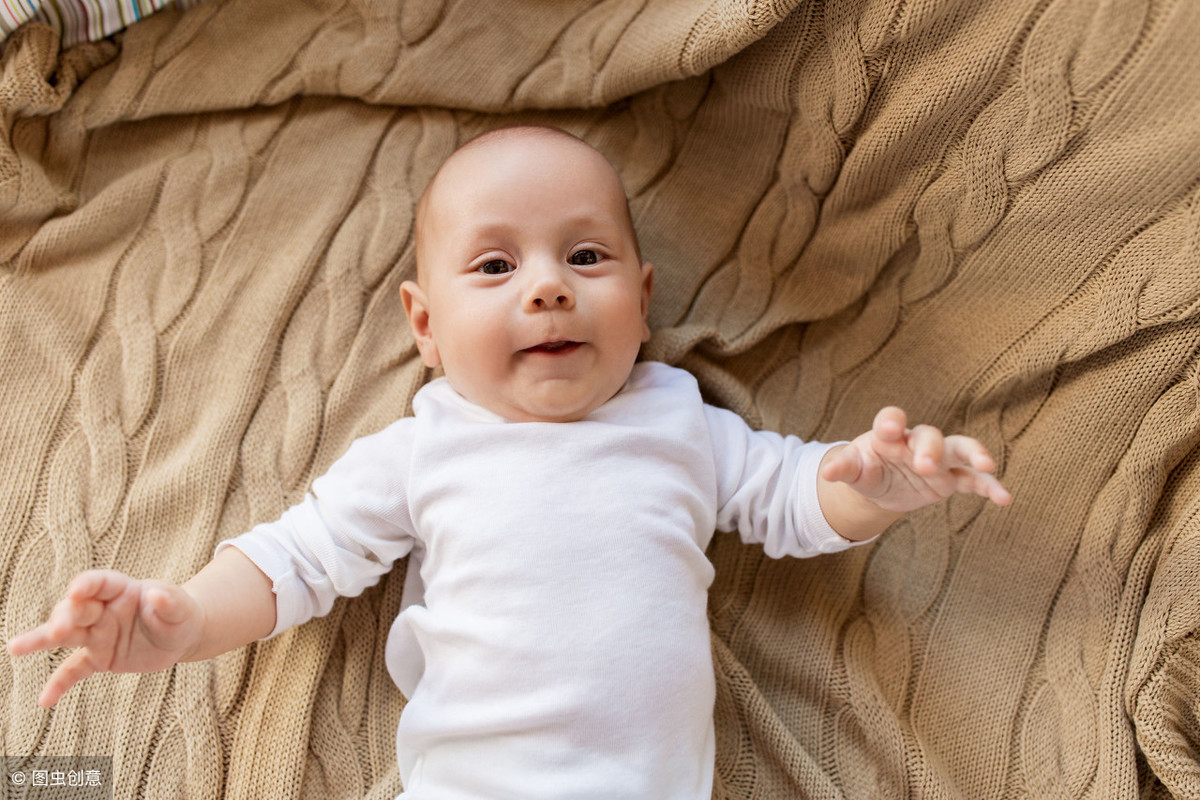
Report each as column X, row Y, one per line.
column 119, row 624
column 901, row 470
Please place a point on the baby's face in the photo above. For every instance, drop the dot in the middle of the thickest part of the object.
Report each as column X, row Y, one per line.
column 532, row 296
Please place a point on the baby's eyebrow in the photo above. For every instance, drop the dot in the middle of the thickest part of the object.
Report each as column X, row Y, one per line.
column 487, row 229
column 484, row 228
column 588, row 221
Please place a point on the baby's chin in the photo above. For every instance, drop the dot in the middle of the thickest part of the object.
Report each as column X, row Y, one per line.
column 526, row 410
column 547, row 403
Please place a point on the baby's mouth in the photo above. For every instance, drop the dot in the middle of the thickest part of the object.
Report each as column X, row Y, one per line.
column 554, row 348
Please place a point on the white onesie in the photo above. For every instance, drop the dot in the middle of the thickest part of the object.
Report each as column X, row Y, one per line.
column 561, row 648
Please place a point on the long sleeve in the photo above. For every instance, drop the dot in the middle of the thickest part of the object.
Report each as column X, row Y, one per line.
column 345, row 533
column 767, row 488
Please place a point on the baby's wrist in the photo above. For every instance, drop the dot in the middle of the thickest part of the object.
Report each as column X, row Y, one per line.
column 854, row 516
column 868, row 520
column 198, row 630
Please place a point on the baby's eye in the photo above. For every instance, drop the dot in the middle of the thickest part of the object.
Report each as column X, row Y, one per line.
column 583, row 258
column 496, row 267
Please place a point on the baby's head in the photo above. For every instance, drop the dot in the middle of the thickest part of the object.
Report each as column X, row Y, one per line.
column 531, row 292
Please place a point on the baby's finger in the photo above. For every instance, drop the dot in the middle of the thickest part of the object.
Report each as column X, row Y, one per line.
column 165, row 605
column 890, row 423
column 996, row 491
column 70, row 672
column 30, row 641
column 104, row 585
column 928, row 447
column 83, row 613
column 70, row 619
column 52, row 633
column 985, row 485
column 841, row 465
column 968, row 452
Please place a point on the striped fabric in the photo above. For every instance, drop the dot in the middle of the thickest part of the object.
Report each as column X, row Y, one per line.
column 78, row 20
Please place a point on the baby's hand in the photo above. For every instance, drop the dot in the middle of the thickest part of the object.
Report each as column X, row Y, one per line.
column 119, row 624
column 901, row 470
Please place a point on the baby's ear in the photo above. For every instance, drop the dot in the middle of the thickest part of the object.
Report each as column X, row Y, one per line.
column 647, row 287
column 416, row 306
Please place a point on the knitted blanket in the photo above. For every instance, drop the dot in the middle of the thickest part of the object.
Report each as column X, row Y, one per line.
column 987, row 213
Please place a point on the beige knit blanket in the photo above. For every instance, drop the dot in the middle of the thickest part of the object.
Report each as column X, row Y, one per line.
column 985, row 212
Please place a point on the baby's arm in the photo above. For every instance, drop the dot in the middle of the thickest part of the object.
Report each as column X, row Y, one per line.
column 866, row 485
column 121, row 624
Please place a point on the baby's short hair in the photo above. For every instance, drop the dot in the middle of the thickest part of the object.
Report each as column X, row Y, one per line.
column 509, row 132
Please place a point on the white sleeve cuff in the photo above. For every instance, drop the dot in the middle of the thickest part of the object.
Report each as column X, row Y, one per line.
column 276, row 565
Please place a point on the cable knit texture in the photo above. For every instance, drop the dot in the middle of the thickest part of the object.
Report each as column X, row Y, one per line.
column 987, row 213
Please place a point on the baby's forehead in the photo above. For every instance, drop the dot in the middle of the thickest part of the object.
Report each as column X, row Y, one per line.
column 535, row 150
column 538, row 154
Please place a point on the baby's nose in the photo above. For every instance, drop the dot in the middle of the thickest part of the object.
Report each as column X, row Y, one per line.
column 548, row 290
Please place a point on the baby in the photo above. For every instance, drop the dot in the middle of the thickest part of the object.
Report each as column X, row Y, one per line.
column 556, row 497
